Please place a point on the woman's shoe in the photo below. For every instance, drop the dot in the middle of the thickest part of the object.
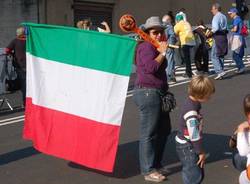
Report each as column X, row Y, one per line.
column 155, row 177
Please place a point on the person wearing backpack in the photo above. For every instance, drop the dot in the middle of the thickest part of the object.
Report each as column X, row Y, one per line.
column 237, row 41
column 201, row 54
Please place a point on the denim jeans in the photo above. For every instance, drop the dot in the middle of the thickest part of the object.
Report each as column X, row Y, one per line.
column 171, row 63
column 218, row 62
column 186, row 51
column 154, row 128
column 239, row 162
column 191, row 172
column 237, row 57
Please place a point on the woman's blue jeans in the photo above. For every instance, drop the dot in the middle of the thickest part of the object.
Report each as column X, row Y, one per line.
column 155, row 127
column 237, row 57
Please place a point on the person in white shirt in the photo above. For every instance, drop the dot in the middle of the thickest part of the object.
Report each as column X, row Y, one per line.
column 243, row 143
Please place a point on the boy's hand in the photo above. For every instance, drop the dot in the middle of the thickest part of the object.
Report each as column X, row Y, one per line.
column 201, row 161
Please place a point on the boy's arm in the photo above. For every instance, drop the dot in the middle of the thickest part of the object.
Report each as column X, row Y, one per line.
column 192, row 119
column 194, row 130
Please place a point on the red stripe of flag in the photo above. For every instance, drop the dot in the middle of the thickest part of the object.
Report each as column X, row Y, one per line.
column 86, row 142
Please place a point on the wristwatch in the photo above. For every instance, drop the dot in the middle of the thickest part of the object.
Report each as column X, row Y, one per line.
column 163, row 53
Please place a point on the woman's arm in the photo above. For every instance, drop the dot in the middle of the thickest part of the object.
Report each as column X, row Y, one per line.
column 107, row 28
column 149, row 61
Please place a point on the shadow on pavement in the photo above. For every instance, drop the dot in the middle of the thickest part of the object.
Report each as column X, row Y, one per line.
column 233, row 74
column 127, row 161
column 17, row 155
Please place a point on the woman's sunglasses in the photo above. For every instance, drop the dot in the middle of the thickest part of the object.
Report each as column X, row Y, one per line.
column 156, row 32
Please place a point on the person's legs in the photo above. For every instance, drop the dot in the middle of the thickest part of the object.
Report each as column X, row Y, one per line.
column 181, row 53
column 217, row 63
column 191, row 172
column 238, row 58
column 22, row 78
column 171, row 64
column 164, row 129
column 148, row 102
column 205, row 60
column 186, row 51
column 198, row 58
column 239, row 162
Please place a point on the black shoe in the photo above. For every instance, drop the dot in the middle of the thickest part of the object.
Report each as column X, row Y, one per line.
column 241, row 71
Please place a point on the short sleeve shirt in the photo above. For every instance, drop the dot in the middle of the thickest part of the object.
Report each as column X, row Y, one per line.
column 239, row 23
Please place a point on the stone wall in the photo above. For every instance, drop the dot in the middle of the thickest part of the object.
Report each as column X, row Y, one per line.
column 12, row 14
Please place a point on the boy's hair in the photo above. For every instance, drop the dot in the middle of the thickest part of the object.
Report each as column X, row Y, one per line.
column 201, row 87
column 246, row 104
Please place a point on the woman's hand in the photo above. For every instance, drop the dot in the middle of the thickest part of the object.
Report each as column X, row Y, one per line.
column 107, row 28
column 163, row 47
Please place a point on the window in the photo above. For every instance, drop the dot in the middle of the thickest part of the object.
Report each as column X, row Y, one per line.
column 96, row 12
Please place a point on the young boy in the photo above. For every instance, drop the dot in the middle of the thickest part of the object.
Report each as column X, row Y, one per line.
column 189, row 136
column 243, row 144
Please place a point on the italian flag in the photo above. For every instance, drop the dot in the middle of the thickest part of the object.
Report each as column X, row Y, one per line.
column 76, row 90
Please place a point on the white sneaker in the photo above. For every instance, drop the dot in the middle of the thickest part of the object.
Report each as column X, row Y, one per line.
column 223, row 74
column 220, row 76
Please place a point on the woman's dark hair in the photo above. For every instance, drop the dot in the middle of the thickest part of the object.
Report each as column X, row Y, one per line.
column 246, row 104
column 171, row 15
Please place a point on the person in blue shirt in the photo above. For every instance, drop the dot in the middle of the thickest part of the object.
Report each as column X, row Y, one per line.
column 168, row 21
column 237, row 40
column 220, row 42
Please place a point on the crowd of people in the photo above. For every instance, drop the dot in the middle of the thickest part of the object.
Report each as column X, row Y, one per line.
column 204, row 40
column 155, row 68
column 86, row 24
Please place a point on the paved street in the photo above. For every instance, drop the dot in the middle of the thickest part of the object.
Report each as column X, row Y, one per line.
column 21, row 164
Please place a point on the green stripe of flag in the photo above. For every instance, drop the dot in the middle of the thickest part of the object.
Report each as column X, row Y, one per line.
column 88, row 49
